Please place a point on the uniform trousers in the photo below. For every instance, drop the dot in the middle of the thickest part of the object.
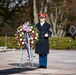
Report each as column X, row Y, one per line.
column 43, row 60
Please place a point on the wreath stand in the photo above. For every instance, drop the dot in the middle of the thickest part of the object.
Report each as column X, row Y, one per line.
column 23, row 39
column 21, row 59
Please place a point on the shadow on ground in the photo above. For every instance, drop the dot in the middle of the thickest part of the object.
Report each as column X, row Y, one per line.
column 24, row 68
column 15, row 70
column 24, row 64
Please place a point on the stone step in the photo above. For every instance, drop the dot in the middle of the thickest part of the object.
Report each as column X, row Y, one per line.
column 3, row 47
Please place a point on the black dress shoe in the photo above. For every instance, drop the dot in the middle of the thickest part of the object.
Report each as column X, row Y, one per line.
column 39, row 67
column 44, row 67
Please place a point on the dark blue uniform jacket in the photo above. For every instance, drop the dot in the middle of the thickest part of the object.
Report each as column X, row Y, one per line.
column 42, row 47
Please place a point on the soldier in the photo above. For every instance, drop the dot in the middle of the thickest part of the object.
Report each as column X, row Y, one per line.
column 42, row 47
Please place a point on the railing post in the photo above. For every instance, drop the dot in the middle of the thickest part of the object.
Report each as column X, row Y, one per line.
column 5, row 42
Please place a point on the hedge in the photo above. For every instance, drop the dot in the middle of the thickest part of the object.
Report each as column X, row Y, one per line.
column 54, row 43
column 11, row 42
column 62, row 43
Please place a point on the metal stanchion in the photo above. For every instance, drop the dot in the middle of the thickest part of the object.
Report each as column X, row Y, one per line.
column 5, row 42
column 32, row 58
column 21, row 57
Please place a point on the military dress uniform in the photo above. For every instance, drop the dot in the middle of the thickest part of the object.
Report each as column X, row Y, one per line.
column 42, row 47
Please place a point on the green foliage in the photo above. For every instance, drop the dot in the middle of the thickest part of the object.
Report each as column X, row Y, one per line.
column 10, row 19
column 2, row 41
column 54, row 43
column 12, row 43
column 62, row 43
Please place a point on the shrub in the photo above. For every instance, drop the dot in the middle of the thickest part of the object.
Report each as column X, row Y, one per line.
column 62, row 43
column 11, row 42
column 54, row 43
column 2, row 41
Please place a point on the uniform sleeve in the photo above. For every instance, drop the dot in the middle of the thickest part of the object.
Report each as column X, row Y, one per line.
column 49, row 31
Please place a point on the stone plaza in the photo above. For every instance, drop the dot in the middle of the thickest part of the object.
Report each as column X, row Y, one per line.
column 60, row 62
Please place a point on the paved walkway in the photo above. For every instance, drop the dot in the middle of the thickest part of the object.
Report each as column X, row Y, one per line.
column 60, row 62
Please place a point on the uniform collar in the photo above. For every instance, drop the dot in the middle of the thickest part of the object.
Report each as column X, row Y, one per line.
column 42, row 23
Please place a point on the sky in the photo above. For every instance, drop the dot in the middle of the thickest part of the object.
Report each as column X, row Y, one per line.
column 12, row 4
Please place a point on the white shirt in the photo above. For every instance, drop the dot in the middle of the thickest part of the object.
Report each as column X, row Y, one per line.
column 42, row 23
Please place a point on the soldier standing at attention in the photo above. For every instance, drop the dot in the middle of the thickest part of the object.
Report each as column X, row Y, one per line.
column 42, row 47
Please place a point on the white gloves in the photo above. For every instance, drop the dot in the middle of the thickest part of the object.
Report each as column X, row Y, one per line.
column 46, row 35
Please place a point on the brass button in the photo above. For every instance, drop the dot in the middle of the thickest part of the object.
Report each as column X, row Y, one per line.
column 41, row 39
column 42, row 32
column 42, row 35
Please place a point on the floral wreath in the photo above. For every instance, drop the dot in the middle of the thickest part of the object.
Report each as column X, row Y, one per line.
column 33, row 35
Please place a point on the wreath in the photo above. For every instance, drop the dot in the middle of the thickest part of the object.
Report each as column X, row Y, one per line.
column 33, row 35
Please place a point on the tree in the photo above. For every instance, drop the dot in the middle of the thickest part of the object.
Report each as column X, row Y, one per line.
column 35, row 14
column 12, row 14
column 9, row 7
column 58, row 14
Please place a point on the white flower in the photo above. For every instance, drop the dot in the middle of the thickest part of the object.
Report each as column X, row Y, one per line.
column 20, row 34
column 36, row 34
column 20, row 29
column 35, row 37
column 31, row 38
column 21, row 39
column 32, row 31
column 23, row 43
column 31, row 27
column 32, row 42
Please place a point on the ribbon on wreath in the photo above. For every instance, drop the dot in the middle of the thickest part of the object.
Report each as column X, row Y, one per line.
column 26, row 28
